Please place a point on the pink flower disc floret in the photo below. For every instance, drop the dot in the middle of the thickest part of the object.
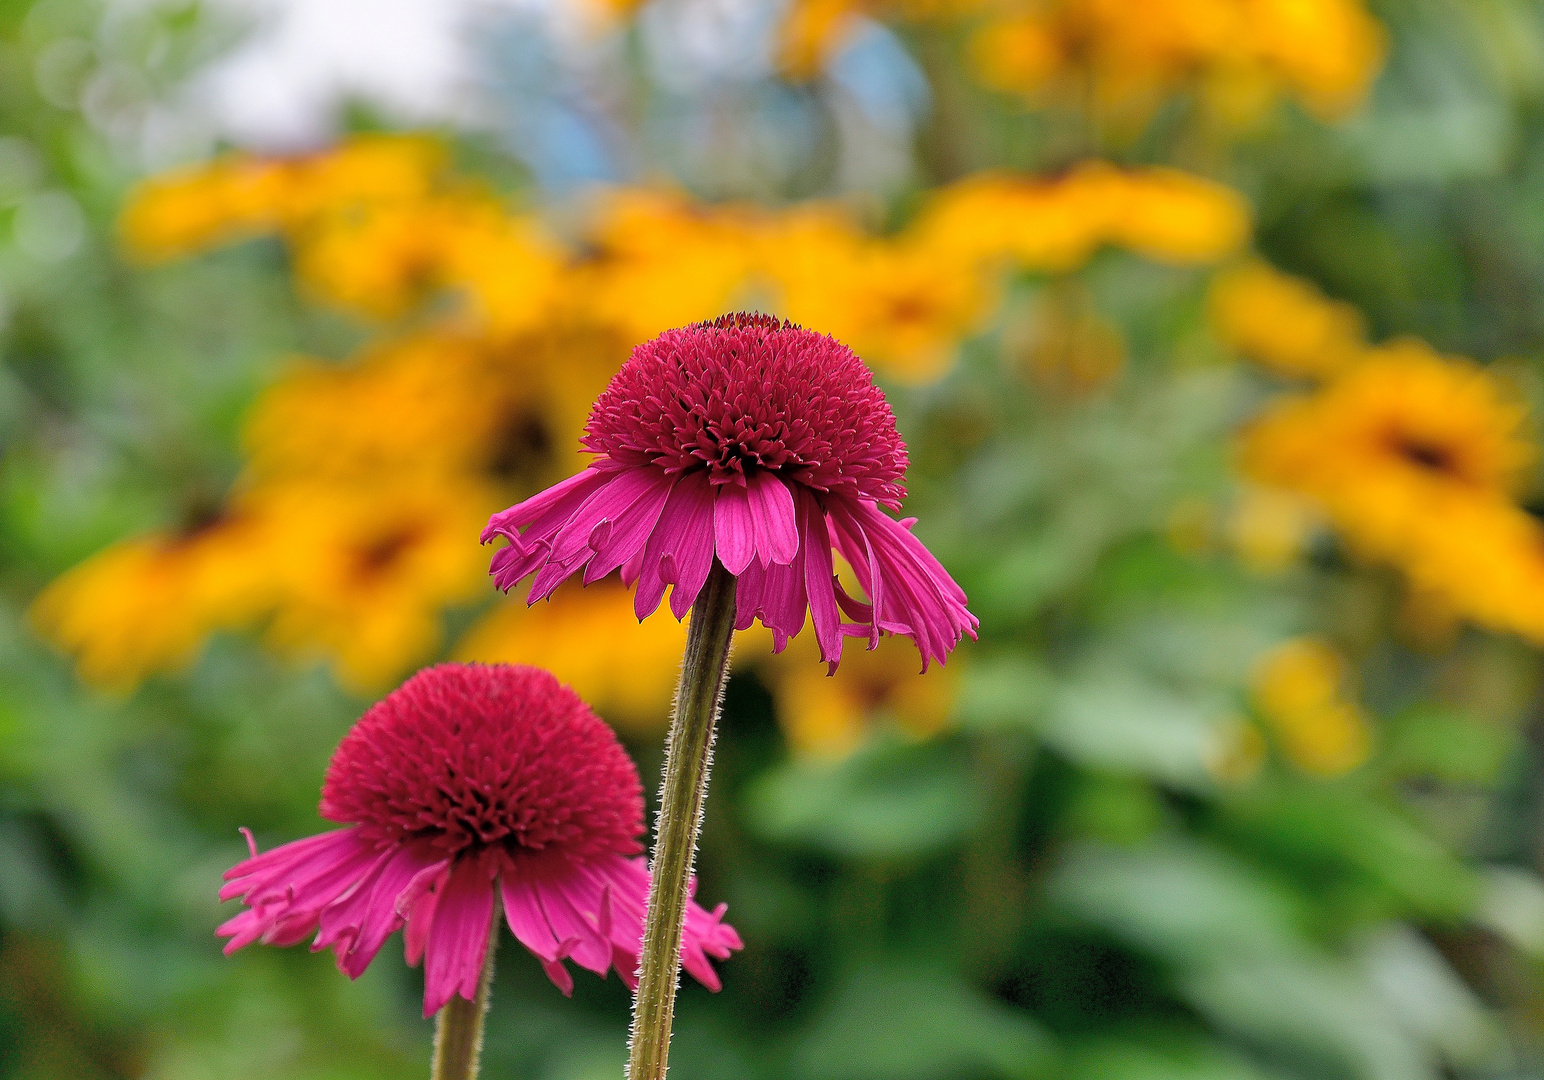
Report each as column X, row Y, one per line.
column 765, row 446
column 469, row 788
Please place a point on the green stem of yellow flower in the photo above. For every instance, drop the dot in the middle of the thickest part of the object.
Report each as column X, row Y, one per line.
column 687, row 755
column 458, row 1027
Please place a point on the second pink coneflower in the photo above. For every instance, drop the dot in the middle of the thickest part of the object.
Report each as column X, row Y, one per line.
column 470, row 791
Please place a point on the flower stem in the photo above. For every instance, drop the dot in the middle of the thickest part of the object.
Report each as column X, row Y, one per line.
column 458, row 1027
column 687, row 754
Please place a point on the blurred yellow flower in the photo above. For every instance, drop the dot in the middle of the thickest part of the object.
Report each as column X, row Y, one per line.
column 1284, row 323
column 1055, row 225
column 1483, row 559
column 652, row 260
column 1392, row 444
column 903, row 305
column 1299, row 687
column 363, row 573
column 590, row 638
column 239, row 195
column 147, row 605
column 1127, row 57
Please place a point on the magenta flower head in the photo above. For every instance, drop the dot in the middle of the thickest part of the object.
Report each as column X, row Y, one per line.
column 766, row 446
column 468, row 789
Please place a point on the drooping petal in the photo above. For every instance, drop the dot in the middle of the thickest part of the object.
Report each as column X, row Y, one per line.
column 734, row 529
column 527, row 921
column 629, row 533
column 357, row 926
column 295, row 882
column 576, row 921
column 546, row 514
column 772, row 516
column 458, row 938
column 911, row 591
column 417, row 904
column 570, row 492
column 684, row 533
column 820, row 578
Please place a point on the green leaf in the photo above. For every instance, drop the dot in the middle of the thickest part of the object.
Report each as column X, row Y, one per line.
column 902, row 1020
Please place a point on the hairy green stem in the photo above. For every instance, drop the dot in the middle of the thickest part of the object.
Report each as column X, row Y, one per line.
column 688, row 751
column 458, row 1027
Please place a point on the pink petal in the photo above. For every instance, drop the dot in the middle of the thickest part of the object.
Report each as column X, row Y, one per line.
column 733, row 527
column 458, row 939
column 507, row 522
column 820, row 579
column 912, row 592
column 630, row 531
column 527, row 921
column 680, row 549
column 361, row 924
column 568, row 921
column 772, row 514
column 417, row 904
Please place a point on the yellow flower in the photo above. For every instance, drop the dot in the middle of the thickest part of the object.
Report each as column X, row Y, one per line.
column 429, row 404
column 903, row 305
column 1171, row 216
column 1326, row 50
column 1299, row 688
column 184, row 211
column 510, row 270
column 653, row 260
column 1392, row 445
column 813, row 30
column 1283, row 323
column 1482, row 558
column 1018, row 53
column 364, row 572
column 590, row 638
column 239, row 196
column 147, row 605
column 1127, row 57
column 1056, row 225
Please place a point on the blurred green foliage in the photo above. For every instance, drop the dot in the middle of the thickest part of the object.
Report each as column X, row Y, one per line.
column 1064, row 886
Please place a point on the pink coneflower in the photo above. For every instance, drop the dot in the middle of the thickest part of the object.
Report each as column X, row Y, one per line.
column 467, row 788
column 765, row 445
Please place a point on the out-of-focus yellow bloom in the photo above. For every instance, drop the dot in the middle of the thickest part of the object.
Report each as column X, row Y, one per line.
column 147, row 605
column 1299, row 688
column 363, row 573
column 1171, row 216
column 590, row 639
column 1239, row 52
column 1392, row 444
column 652, row 260
column 1283, row 323
column 830, row 715
column 903, row 305
column 505, row 264
column 1055, row 225
column 1483, row 559
column 424, row 404
column 239, row 195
